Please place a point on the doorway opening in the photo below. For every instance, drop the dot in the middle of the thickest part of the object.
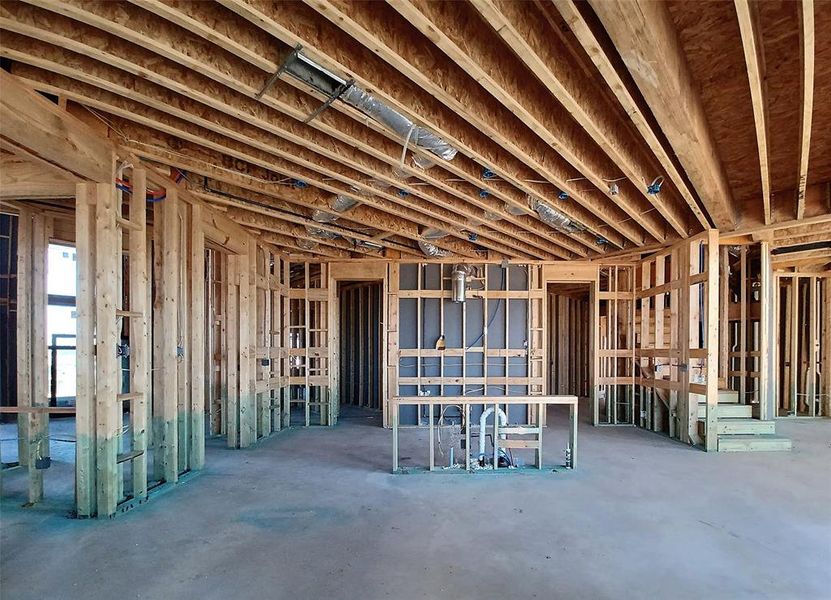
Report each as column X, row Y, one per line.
column 360, row 305
column 569, row 350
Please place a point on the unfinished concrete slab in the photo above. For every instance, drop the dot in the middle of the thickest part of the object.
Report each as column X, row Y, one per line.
column 316, row 514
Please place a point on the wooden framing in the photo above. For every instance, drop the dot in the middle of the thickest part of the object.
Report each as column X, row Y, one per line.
column 751, row 42
column 801, row 344
column 807, row 46
column 499, row 432
column 643, row 33
column 206, row 187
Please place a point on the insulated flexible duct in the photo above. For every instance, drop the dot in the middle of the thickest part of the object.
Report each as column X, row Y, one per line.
column 555, row 218
column 431, row 250
column 400, row 124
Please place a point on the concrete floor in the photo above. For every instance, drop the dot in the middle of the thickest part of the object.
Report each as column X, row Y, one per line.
column 315, row 514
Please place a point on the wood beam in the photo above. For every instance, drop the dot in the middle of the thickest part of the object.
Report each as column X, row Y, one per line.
column 645, row 37
column 388, row 203
column 602, row 55
column 329, row 46
column 242, row 80
column 388, row 35
column 47, row 134
column 546, row 52
column 464, row 38
column 807, row 46
column 209, row 22
column 276, row 155
column 24, row 180
column 754, row 58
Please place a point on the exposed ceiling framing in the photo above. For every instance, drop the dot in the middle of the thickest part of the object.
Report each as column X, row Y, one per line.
column 604, row 110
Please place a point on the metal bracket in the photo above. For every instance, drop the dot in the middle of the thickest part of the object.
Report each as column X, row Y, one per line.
column 338, row 92
column 279, row 71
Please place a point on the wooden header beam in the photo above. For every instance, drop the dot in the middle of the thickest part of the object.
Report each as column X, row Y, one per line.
column 36, row 129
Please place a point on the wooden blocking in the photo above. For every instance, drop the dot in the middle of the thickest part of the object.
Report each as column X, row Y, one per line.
column 85, row 455
column 107, row 371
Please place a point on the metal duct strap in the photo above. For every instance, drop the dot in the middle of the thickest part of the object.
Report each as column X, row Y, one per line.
column 400, row 124
column 431, row 250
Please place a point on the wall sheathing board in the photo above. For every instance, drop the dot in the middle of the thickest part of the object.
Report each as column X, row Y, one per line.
column 490, row 345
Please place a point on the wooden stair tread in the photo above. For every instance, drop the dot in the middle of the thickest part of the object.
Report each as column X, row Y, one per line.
column 753, row 443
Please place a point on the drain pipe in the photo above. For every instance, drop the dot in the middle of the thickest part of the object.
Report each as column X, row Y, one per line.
column 503, row 420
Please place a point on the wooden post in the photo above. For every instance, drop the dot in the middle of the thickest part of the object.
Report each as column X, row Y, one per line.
column 825, row 315
column 107, row 371
column 166, row 232
column 247, row 301
column 712, row 333
column 197, row 339
column 768, row 367
column 85, row 471
column 139, row 334
column 24, row 332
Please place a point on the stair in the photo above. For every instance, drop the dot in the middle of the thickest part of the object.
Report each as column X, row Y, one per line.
column 753, row 443
column 738, row 431
column 728, row 411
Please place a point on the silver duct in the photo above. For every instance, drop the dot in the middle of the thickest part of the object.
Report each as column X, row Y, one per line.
column 458, row 282
column 431, row 234
column 517, row 211
column 321, row 216
column 400, row 124
column 555, row 218
column 339, row 204
column 306, row 244
column 321, row 233
column 432, row 250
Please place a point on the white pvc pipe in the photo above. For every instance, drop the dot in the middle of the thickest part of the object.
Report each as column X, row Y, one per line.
column 503, row 420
